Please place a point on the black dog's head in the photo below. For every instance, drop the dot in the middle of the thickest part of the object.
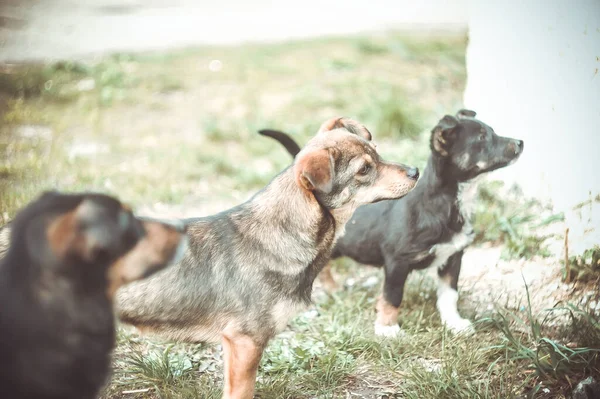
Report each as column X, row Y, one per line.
column 470, row 147
column 92, row 239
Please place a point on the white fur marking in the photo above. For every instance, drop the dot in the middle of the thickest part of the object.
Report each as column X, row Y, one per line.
column 459, row 241
column 447, row 300
column 388, row 331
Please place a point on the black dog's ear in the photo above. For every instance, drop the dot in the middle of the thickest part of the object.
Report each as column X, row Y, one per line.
column 466, row 113
column 442, row 133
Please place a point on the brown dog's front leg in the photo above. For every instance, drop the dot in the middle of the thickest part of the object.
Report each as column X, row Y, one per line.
column 241, row 356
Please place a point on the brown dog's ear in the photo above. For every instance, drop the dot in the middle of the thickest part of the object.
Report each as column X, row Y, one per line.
column 465, row 113
column 442, row 134
column 77, row 233
column 314, row 170
column 346, row 123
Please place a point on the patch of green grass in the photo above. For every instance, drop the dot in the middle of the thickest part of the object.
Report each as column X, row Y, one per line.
column 512, row 220
column 371, row 47
column 161, row 370
column 393, row 115
column 217, row 130
column 66, row 81
column 428, row 48
column 160, row 367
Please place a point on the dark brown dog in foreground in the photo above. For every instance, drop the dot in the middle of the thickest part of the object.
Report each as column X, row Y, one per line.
column 251, row 268
column 66, row 257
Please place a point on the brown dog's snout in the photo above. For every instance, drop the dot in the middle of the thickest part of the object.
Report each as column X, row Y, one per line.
column 412, row 173
column 395, row 180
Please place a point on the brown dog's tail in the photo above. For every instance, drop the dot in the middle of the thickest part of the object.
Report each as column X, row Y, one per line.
column 290, row 145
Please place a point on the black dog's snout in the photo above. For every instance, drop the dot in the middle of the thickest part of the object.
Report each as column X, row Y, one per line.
column 514, row 148
column 412, row 173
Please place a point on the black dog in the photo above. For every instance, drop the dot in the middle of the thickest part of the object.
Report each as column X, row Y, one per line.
column 428, row 227
column 66, row 257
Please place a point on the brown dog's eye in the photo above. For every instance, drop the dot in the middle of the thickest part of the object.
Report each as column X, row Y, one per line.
column 365, row 169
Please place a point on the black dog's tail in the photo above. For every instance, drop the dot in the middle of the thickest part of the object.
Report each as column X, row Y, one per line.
column 290, row 145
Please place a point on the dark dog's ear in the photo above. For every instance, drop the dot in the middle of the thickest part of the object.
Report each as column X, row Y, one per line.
column 346, row 123
column 442, row 134
column 81, row 234
column 314, row 170
column 465, row 113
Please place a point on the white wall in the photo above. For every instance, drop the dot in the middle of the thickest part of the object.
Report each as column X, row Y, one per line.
column 533, row 73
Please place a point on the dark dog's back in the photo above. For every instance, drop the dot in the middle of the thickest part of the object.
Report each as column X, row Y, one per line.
column 66, row 256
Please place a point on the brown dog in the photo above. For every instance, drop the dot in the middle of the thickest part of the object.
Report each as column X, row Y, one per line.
column 251, row 268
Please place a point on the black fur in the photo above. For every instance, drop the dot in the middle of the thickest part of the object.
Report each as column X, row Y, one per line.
column 56, row 321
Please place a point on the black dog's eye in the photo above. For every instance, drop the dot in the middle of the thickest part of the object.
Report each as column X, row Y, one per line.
column 365, row 169
column 482, row 137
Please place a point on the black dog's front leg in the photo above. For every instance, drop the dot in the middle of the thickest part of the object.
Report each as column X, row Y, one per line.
column 388, row 303
column 447, row 296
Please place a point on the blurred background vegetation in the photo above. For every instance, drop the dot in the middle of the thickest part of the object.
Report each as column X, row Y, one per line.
column 163, row 127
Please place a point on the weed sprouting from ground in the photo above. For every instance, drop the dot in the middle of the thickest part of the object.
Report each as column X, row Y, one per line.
column 585, row 267
column 553, row 360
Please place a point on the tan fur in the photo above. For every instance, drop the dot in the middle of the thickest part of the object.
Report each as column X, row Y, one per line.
column 439, row 141
column 159, row 243
column 387, row 314
column 4, row 240
column 327, row 280
column 347, row 124
column 63, row 238
column 313, row 170
column 241, row 356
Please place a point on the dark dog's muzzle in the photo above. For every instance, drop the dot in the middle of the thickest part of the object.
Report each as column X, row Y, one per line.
column 514, row 148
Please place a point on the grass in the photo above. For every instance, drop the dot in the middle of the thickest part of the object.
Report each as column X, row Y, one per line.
column 510, row 220
column 330, row 351
column 164, row 131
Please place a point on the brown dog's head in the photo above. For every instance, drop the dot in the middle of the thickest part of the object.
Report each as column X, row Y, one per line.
column 92, row 240
column 343, row 170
